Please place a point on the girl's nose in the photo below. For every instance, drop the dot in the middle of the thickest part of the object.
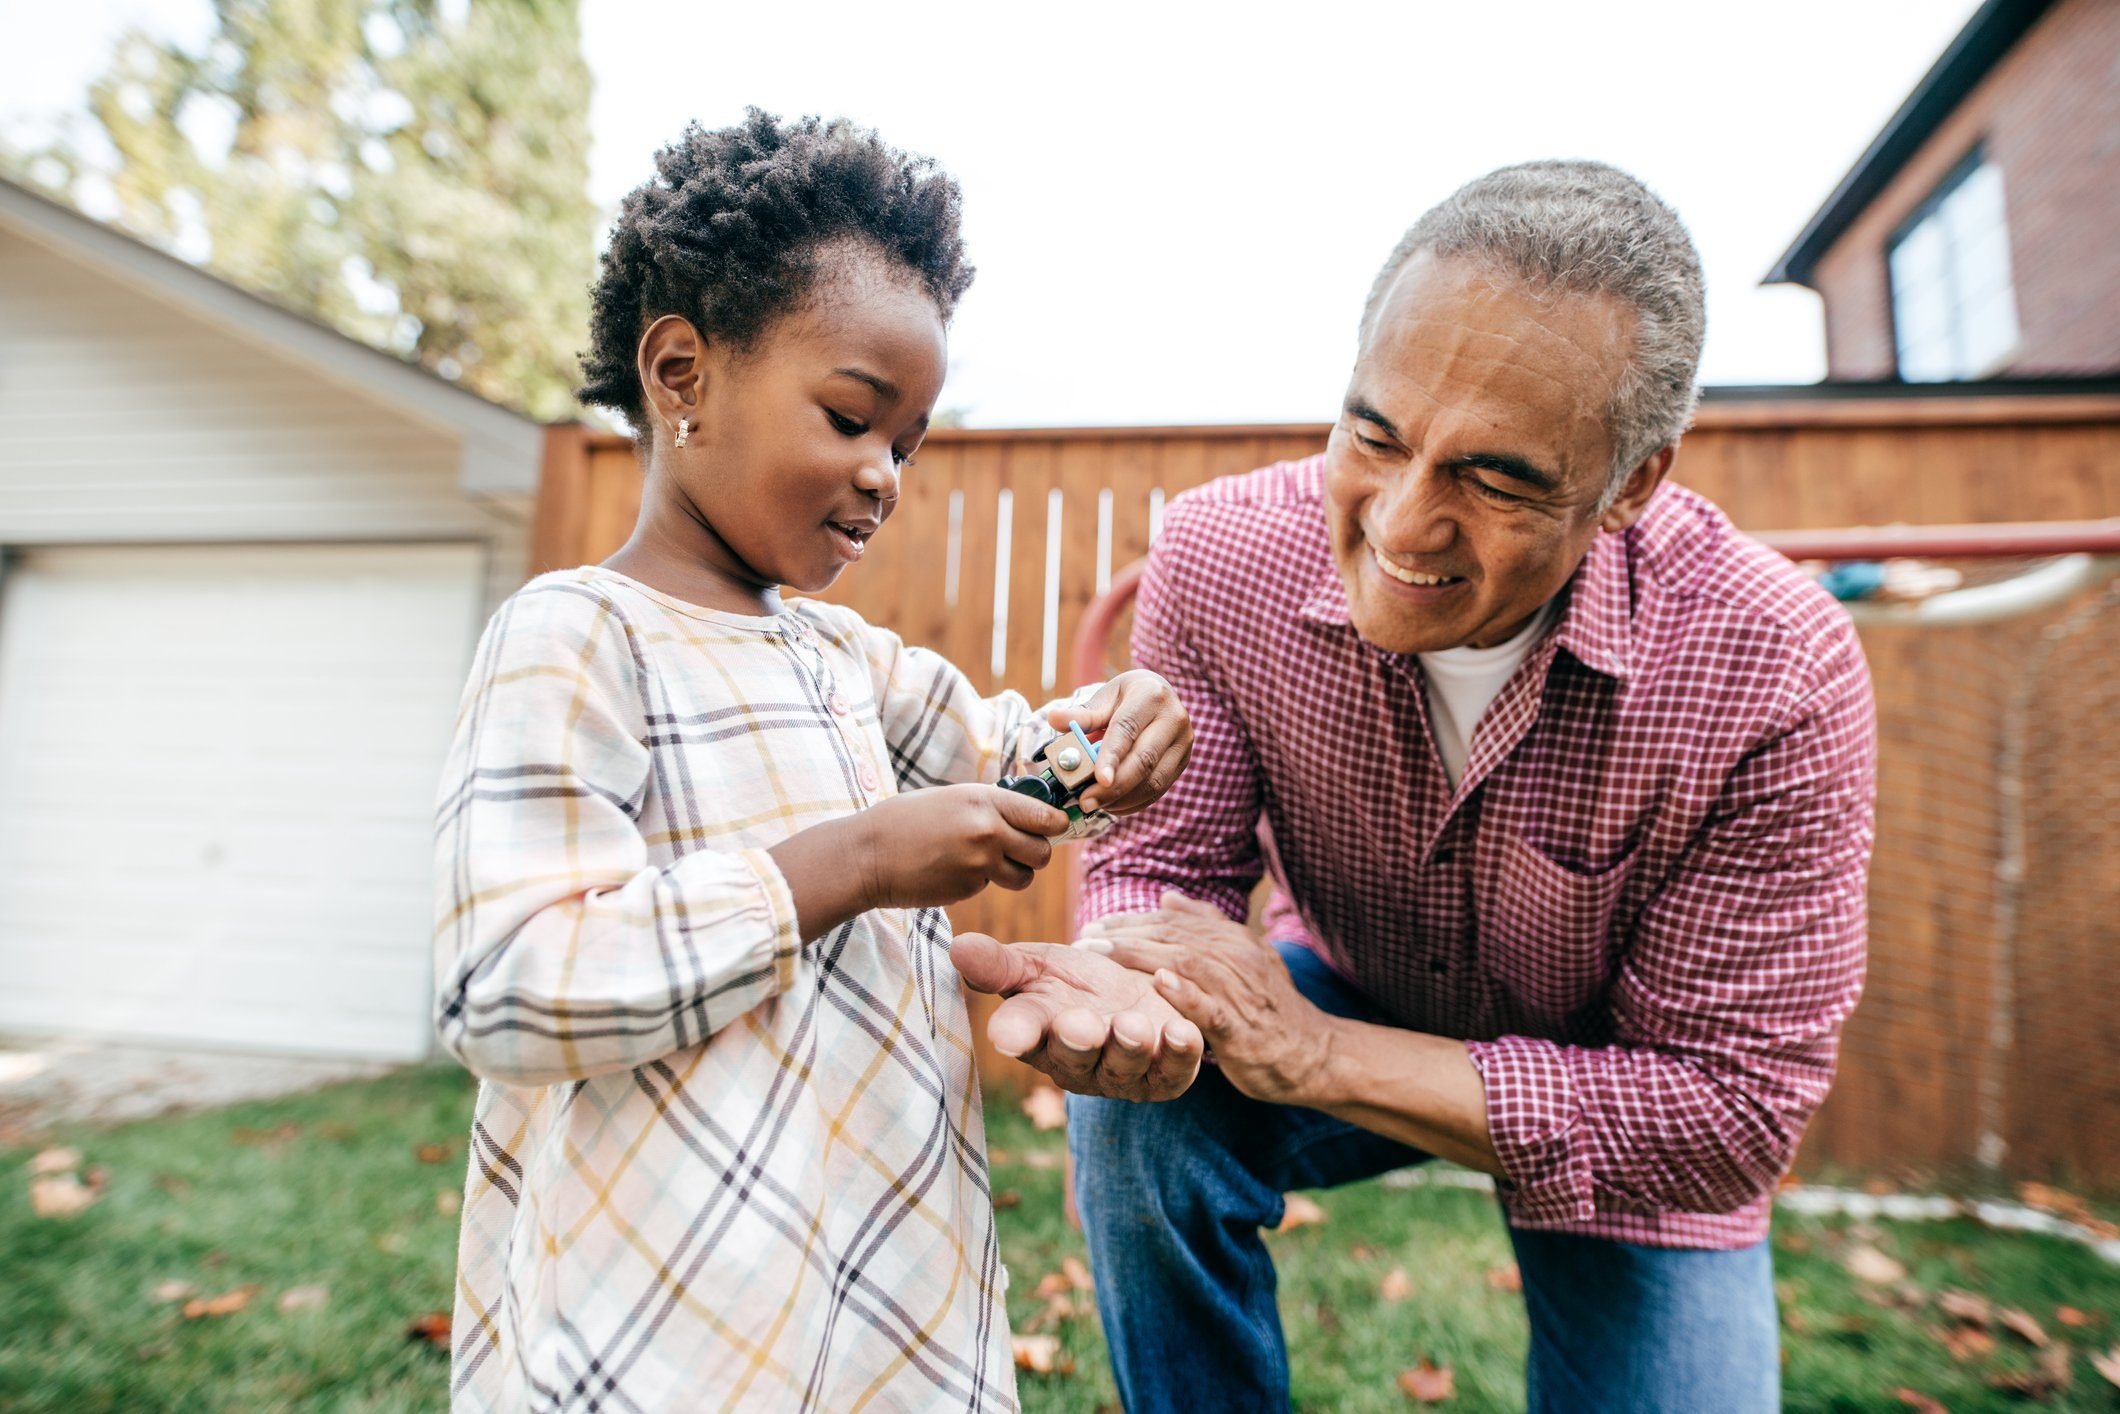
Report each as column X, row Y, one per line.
column 879, row 477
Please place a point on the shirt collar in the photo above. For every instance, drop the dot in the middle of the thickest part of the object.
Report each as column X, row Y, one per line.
column 1597, row 618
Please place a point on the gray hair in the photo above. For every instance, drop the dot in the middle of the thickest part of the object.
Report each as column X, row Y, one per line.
column 1590, row 229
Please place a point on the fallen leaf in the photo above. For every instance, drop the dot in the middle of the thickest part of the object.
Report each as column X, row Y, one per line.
column 2108, row 1365
column 1360, row 1252
column 165, row 1292
column 275, row 1138
column 1866, row 1264
column 2072, row 1318
column 1007, row 1198
column 1039, row 1354
column 1797, row 1242
column 305, row 1298
column 1966, row 1306
column 174, row 1185
column 432, row 1153
column 448, row 1202
column 1919, row 1403
column 55, row 1161
column 1041, row 1159
column 433, row 1328
column 226, row 1304
column 2020, row 1324
column 1077, row 1274
column 1967, row 1343
column 1047, row 1107
column 59, row 1195
column 1428, row 1383
column 1507, row 1278
column 1050, row 1285
column 2050, row 1375
column 1299, row 1211
column 1396, row 1286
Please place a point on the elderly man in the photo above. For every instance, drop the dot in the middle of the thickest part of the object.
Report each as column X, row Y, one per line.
column 1570, row 785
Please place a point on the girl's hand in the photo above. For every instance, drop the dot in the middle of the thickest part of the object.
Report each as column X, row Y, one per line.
column 1147, row 739
column 935, row 846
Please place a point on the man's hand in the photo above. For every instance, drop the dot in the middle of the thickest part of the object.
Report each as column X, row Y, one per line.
column 1269, row 1039
column 1147, row 739
column 1095, row 1027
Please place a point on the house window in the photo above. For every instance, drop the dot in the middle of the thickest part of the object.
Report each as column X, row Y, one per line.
column 1953, row 313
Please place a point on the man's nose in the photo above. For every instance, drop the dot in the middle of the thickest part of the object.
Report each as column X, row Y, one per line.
column 1412, row 516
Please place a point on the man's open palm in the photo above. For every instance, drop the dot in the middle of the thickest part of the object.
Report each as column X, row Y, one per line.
column 1095, row 1027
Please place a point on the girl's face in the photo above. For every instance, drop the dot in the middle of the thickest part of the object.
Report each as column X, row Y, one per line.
column 796, row 445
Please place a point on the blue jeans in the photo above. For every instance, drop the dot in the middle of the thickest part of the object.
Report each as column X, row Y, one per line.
column 1173, row 1197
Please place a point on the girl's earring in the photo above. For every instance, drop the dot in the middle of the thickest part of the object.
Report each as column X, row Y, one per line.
column 684, row 429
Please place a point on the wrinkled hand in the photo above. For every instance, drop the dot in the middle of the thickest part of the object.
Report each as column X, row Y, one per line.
column 1147, row 740
column 1095, row 1027
column 1269, row 1039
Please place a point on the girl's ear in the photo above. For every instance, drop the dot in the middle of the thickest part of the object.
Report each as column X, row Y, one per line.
column 672, row 367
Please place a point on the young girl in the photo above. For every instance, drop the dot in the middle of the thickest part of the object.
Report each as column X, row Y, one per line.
column 694, row 841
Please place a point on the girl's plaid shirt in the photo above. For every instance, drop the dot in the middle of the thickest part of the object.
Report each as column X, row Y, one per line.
column 714, row 1164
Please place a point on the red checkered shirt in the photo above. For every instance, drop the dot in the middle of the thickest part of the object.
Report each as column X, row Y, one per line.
column 1643, row 905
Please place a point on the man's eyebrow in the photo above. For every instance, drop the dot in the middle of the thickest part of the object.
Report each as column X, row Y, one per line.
column 1513, row 467
column 1360, row 408
column 883, row 386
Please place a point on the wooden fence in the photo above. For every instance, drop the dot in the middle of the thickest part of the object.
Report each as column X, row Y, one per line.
column 1981, row 1040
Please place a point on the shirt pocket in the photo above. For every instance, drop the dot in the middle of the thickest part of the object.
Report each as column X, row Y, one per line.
column 1545, row 928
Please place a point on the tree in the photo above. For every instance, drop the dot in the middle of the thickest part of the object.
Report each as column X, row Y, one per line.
column 412, row 172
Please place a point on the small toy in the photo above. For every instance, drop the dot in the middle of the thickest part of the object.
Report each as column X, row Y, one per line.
column 1070, row 765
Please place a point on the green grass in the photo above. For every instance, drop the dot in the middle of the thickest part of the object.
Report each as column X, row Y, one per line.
column 329, row 1188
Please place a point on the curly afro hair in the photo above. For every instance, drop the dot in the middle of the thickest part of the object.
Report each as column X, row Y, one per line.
column 729, row 232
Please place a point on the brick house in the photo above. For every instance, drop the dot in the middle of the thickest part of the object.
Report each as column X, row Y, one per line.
column 1979, row 235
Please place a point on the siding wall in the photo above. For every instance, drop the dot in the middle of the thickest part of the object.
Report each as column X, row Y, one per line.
column 125, row 420
column 2048, row 116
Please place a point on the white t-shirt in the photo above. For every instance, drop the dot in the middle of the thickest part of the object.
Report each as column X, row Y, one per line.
column 1463, row 682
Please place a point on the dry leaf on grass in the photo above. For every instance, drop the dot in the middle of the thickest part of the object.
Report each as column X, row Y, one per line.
column 1041, row 1159
column 1299, row 1211
column 1007, row 1198
column 1050, row 1285
column 433, row 1328
column 1866, row 1264
column 1396, row 1286
column 1428, row 1383
column 2020, row 1324
column 2108, row 1365
column 305, row 1298
column 226, row 1304
column 1919, row 1403
column 1967, row 1343
column 432, row 1153
column 1047, row 1107
column 448, row 1202
column 1077, row 1274
column 60, row 1195
column 2074, row 1319
column 1505, row 1278
column 275, row 1138
column 1040, row 1354
column 164, row 1292
column 1966, row 1306
column 55, row 1161
column 2050, row 1375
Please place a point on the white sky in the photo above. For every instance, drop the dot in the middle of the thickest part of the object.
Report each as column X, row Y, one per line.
column 1176, row 209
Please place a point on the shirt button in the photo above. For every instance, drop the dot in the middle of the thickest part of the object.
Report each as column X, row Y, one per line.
column 867, row 776
column 1446, row 855
column 838, row 705
column 1437, row 965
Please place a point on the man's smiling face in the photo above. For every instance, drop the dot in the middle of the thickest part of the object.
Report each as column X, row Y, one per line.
column 1464, row 477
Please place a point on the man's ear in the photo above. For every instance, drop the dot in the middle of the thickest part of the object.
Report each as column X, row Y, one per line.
column 1641, row 484
column 672, row 366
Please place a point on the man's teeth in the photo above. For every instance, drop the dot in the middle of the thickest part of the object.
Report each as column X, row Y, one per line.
column 1406, row 576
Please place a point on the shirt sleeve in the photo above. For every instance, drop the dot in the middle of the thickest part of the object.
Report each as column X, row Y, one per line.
column 1201, row 838
column 1729, row 1004
column 561, row 952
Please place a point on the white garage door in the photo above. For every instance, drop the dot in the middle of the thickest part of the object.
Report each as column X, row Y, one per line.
column 217, row 778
